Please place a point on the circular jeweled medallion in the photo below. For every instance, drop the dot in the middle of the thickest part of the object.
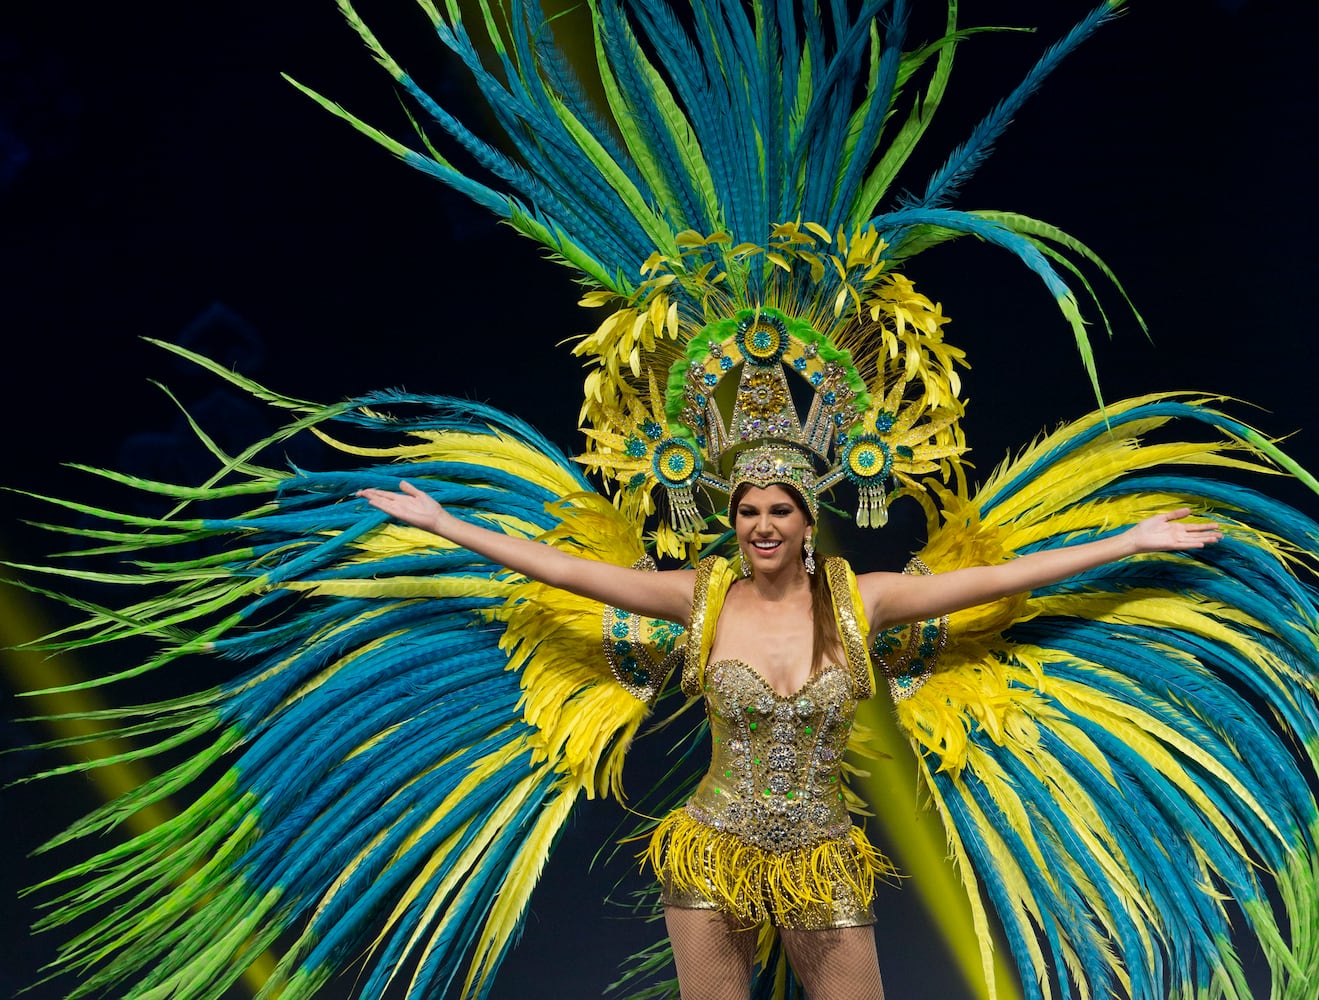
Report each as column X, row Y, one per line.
column 866, row 458
column 763, row 339
column 676, row 463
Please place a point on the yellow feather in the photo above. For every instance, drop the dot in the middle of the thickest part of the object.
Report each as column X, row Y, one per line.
column 460, row 867
column 1022, row 904
column 984, row 934
column 403, row 587
column 515, row 892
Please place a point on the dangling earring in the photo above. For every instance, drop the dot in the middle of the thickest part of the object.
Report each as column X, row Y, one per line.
column 742, row 558
column 809, row 561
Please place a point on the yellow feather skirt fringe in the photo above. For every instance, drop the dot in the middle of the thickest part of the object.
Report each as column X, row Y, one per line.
column 800, row 888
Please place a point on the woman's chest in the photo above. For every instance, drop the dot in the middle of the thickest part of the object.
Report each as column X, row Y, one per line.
column 778, row 640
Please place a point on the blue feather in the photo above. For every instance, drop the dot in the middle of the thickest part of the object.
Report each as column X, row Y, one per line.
column 891, row 226
column 1051, row 887
column 986, row 868
column 867, row 135
column 943, row 186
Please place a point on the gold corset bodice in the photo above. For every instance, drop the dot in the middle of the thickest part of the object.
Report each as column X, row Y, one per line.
column 775, row 763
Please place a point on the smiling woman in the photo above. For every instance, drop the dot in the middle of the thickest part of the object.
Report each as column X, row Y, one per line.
column 765, row 844
column 1104, row 720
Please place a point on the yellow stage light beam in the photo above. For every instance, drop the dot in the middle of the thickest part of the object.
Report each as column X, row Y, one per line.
column 915, row 837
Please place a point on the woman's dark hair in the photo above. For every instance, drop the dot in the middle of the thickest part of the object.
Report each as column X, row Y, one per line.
column 824, row 629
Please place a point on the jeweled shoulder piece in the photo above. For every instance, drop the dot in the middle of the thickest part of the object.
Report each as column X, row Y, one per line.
column 907, row 654
column 641, row 651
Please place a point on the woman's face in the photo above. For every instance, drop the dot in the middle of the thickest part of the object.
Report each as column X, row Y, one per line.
column 771, row 528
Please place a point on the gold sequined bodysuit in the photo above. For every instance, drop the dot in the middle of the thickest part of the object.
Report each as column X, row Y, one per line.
column 767, row 834
column 775, row 761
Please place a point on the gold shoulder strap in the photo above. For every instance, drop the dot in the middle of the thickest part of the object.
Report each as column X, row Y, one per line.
column 713, row 578
column 850, row 615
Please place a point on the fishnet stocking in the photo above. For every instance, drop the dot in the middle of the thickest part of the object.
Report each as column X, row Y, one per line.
column 712, row 954
column 714, row 958
column 838, row 964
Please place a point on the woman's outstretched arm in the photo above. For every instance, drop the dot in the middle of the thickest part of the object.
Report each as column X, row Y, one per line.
column 666, row 595
column 898, row 598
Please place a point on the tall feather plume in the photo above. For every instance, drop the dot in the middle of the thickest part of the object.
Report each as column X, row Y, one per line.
column 734, row 121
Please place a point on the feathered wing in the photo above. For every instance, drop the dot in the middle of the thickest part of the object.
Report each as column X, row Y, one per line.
column 1125, row 762
column 410, row 732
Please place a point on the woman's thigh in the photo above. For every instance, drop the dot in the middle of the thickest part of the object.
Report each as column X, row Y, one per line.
column 837, row 964
column 713, row 955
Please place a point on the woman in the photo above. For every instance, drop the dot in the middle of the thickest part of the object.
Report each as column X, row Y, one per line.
column 768, row 624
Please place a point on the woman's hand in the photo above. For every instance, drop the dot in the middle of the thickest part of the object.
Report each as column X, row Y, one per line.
column 1167, row 532
column 411, row 506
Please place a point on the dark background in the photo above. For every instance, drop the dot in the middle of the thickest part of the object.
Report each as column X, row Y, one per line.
column 159, row 179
